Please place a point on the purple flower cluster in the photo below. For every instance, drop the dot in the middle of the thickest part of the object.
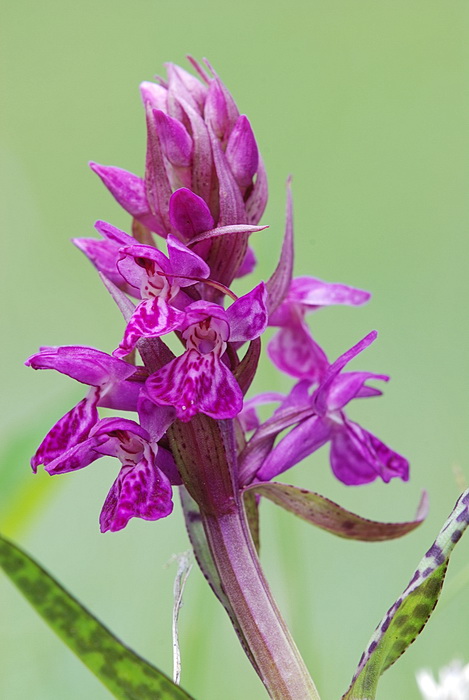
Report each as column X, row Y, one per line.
column 202, row 196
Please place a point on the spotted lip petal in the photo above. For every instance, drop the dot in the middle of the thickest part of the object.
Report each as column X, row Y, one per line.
column 141, row 490
column 196, row 383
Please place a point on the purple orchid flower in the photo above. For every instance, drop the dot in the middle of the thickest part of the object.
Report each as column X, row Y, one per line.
column 357, row 456
column 114, row 384
column 141, row 490
column 199, row 381
column 292, row 349
column 158, row 279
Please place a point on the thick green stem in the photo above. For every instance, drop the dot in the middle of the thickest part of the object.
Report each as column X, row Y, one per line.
column 277, row 658
column 205, row 453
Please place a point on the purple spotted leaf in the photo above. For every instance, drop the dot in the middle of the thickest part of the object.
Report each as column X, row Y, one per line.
column 122, row 671
column 326, row 514
column 408, row 616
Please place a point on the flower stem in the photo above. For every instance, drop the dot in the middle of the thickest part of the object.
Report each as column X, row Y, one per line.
column 277, row 658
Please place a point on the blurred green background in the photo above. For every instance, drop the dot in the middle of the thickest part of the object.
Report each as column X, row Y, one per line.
column 366, row 104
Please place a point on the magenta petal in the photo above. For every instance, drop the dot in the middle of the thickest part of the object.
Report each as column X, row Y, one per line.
column 77, row 457
column 185, row 262
column 140, row 491
column 350, row 385
column 86, row 365
column 202, row 161
column 70, row 430
column 185, row 85
column 358, row 457
column 310, row 291
column 114, row 234
column 220, row 111
column 122, row 396
column 189, row 214
column 300, row 442
column 175, row 141
column 103, row 255
column 232, row 210
column 336, row 367
column 294, row 351
column 196, row 383
column 247, row 316
column 133, row 267
column 154, row 95
column 127, row 188
column 152, row 318
column 242, row 153
column 129, row 191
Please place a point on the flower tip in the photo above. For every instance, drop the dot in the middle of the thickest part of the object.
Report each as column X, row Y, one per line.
column 95, row 167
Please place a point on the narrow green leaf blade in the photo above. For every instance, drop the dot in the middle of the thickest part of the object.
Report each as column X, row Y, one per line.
column 326, row 514
column 407, row 617
column 126, row 675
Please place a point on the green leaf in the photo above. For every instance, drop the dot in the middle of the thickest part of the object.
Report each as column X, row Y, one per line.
column 326, row 514
column 123, row 672
column 409, row 614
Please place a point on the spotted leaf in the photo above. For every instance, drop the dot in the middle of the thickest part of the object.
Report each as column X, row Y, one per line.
column 407, row 617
